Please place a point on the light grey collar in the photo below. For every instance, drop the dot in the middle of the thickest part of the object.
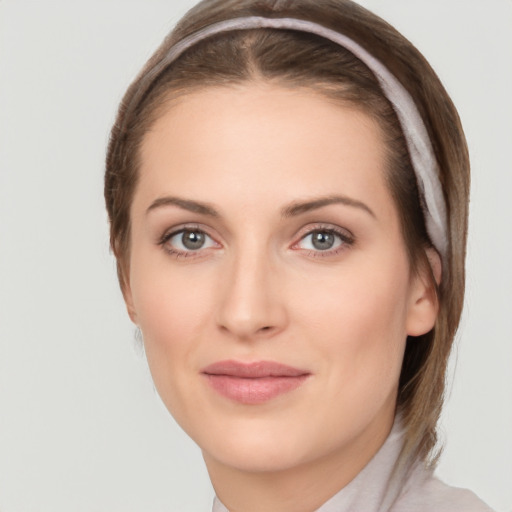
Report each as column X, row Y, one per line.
column 376, row 488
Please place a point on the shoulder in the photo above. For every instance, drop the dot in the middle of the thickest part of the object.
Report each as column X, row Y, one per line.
column 431, row 495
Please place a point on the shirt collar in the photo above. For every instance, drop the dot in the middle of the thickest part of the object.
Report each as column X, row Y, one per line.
column 376, row 487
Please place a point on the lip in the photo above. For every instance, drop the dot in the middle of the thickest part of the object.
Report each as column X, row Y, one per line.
column 253, row 383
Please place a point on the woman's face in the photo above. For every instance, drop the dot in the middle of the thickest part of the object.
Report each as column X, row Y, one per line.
column 269, row 276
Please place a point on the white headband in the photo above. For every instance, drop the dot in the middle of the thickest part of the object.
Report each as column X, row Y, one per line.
column 416, row 135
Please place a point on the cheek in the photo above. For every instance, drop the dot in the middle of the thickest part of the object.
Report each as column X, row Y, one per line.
column 167, row 298
column 358, row 324
column 172, row 308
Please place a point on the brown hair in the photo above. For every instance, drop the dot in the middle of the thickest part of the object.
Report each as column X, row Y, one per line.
column 294, row 59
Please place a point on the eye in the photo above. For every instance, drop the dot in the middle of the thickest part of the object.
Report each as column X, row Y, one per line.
column 188, row 240
column 324, row 240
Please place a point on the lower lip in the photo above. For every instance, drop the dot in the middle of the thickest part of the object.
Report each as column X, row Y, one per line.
column 254, row 390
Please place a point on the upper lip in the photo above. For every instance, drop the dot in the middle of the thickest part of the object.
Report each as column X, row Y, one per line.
column 253, row 370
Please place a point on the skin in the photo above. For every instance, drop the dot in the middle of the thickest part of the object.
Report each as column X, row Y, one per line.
column 260, row 290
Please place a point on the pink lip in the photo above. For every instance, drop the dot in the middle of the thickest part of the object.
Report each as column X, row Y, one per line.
column 253, row 383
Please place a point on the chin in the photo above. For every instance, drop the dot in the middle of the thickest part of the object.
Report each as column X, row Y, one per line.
column 256, row 454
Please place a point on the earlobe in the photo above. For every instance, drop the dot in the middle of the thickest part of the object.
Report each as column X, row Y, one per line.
column 424, row 305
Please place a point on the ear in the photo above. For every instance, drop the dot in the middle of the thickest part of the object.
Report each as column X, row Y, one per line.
column 424, row 303
column 124, row 281
column 128, row 300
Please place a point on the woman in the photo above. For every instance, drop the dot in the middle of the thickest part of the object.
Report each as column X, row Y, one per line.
column 287, row 185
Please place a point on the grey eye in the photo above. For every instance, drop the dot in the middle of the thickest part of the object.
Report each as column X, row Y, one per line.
column 321, row 240
column 190, row 240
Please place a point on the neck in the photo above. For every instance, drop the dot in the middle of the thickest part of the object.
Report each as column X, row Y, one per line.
column 302, row 488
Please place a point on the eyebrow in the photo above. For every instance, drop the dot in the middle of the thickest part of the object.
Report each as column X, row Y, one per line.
column 185, row 204
column 300, row 207
column 292, row 210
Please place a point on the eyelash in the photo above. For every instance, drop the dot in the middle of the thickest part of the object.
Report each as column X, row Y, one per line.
column 347, row 240
column 176, row 253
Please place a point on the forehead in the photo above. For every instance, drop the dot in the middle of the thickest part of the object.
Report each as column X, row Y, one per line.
column 261, row 141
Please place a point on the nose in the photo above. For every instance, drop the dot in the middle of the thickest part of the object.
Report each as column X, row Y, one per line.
column 252, row 302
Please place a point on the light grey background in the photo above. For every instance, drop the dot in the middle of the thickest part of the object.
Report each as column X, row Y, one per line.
column 81, row 428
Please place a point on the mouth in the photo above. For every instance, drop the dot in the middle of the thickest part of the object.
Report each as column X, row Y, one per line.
column 253, row 383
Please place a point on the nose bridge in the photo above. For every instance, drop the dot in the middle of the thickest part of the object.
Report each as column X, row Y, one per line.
column 251, row 303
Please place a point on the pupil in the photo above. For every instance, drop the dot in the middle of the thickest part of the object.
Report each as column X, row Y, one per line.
column 192, row 239
column 323, row 240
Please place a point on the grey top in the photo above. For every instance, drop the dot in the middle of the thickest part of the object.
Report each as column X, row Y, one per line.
column 378, row 489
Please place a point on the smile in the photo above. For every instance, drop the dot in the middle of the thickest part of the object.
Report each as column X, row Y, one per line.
column 253, row 383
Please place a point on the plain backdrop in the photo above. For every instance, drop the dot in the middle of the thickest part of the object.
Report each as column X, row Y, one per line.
column 81, row 427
